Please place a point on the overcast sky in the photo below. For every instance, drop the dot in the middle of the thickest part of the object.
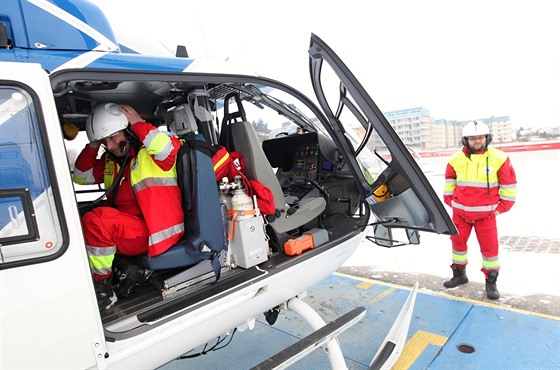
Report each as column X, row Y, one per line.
column 461, row 60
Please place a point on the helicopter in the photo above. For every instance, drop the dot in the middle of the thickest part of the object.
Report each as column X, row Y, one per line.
column 335, row 167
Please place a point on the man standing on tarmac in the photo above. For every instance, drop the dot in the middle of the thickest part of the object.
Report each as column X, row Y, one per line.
column 480, row 183
column 142, row 212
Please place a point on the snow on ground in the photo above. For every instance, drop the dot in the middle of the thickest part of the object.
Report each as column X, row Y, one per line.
column 535, row 214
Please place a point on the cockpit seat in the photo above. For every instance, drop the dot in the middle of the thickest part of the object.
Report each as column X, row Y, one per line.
column 238, row 134
column 257, row 167
column 204, row 223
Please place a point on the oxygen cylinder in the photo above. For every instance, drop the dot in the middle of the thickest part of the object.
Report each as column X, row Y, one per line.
column 225, row 198
column 240, row 201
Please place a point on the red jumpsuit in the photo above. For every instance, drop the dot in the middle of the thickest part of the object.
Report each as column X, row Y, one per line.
column 120, row 229
column 476, row 187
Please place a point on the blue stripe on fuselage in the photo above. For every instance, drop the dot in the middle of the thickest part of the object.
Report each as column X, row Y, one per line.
column 52, row 59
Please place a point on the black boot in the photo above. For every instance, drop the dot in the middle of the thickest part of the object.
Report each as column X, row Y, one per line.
column 491, row 289
column 127, row 275
column 106, row 297
column 459, row 277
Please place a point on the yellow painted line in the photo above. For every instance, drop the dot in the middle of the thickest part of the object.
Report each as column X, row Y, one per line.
column 415, row 346
column 469, row 300
column 365, row 285
column 383, row 295
column 373, row 281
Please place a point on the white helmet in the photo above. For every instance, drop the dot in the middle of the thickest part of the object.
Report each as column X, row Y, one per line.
column 106, row 119
column 475, row 128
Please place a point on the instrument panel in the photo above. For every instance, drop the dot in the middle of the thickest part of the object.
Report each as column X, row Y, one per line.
column 301, row 158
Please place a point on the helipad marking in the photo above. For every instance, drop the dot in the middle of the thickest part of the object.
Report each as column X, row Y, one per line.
column 383, row 295
column 365, row 284
column 416, row 345
column 463, row 299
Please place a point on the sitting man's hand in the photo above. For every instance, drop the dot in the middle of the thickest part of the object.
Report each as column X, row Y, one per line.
column 131, row 114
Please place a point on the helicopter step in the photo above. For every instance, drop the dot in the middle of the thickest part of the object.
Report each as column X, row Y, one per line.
column 326, row 335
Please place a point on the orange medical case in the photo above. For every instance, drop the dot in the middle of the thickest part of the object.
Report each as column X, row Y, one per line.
column 298, row 245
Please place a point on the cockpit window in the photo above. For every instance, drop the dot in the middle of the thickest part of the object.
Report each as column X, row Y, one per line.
column 278, row 113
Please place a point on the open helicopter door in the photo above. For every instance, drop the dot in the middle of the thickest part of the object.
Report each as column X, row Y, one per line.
column 393, row 185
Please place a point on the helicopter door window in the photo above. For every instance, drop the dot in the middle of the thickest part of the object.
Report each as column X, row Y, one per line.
column 369, row 149
column 17, row 211
column 29, row 221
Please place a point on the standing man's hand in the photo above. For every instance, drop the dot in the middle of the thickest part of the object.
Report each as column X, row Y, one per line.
column 131, row 114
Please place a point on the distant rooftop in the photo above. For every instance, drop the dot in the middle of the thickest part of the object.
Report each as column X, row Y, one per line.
column 407, row 112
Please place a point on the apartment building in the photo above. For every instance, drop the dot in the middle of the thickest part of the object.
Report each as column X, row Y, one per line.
column 420, row 131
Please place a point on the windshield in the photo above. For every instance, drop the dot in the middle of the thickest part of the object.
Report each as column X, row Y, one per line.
column 275, row 113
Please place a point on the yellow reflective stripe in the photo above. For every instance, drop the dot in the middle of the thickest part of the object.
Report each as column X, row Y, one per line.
column 509, row 194
column 506, row 197
column 79, row 180
column 459, row 258
column 101, row 258
column 109, row 172
column 101, row 264
column 157, row 143
column 82, row 178
column 449, row 187
column 164, row 153
column 221, row 161
column 491, row 263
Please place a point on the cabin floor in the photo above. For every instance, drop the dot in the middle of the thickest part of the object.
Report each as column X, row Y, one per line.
column 445, row 333
column 148, row 302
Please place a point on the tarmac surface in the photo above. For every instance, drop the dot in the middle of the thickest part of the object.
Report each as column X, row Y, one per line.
column 445, row 320
column 443, row 333
column 537, row 303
